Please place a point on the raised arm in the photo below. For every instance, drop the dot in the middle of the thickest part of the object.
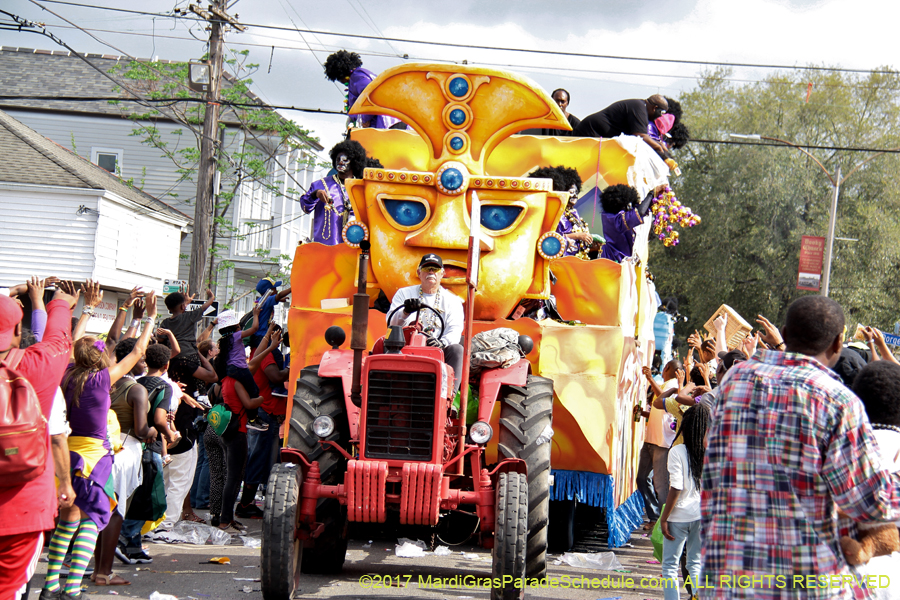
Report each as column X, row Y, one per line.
column 255, row 326
column 115, row 330
column 207, row 333
column 720, row 324
column 121, row 368
column 280, row 296
column 38, row 311
column 174, row 346
column 210, row 298
column 137, row 313
column 270, row 341
column 653, row 385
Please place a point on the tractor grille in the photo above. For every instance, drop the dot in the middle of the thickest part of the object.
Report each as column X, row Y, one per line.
column 400, row 417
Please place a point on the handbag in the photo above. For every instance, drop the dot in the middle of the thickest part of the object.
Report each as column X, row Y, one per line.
column 149, row 500
column 225, row 423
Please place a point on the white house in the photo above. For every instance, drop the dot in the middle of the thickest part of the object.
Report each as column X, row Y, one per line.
column 62, row 215
column 268, row 225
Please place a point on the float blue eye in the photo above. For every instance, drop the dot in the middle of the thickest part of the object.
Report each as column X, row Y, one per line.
column 497, row 217
column 407, row 213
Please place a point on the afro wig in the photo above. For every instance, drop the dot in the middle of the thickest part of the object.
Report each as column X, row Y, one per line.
column 617, row 198
column 878, row 386
column 674, row 108
column 571, row 177
column 563, row 177
column 679, row 136
column 355, row 152
column 373, row 163
column 559, row 182
column 341, row 64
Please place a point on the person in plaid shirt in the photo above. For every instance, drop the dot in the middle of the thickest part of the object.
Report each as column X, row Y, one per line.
column 789, row 446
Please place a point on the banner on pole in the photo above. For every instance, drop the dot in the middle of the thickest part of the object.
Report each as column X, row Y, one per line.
column 812, row 252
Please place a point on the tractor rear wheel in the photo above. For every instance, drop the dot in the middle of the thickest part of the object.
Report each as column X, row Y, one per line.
column 281, row 550
column 316, row 396
column 510, row 537
column 327, row 554
column 526, row 414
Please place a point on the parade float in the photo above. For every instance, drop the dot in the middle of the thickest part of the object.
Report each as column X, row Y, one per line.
column 461, row 150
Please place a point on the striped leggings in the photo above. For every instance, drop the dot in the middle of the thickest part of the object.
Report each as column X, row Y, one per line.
column 82, row 550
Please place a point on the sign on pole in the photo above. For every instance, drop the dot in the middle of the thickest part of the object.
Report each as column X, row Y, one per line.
column 170, row 286
column 890, row 338
column 212, row 311
column 812, row 252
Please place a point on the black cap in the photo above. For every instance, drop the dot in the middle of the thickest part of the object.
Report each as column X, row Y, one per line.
column 431, row 259
column 731, row 357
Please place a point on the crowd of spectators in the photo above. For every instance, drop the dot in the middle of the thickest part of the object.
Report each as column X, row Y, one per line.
column 752, row 453
column 125, row 430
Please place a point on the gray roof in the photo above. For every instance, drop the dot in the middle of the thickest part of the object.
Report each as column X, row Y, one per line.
column 30, row 158
column 30, row 72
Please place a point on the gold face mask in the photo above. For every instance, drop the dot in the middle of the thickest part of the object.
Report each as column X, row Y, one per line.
column 461, row 117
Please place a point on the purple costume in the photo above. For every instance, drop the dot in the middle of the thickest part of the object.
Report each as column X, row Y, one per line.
column 88, row 419
column 567, row 224
column 359, row 79
column 618, row 229
column 327, row 221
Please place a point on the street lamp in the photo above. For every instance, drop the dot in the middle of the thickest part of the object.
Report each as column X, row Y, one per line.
column 836, row 182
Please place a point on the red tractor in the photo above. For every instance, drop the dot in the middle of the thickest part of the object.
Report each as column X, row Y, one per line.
column 373, row 435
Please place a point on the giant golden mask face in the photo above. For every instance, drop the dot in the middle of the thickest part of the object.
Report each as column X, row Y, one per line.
column 460, row 114
column 409, row 220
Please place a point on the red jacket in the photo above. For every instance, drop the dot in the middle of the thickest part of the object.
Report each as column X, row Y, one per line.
column 32, row 506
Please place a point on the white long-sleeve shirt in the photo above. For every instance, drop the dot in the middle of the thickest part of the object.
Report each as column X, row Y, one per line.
column 450, row 307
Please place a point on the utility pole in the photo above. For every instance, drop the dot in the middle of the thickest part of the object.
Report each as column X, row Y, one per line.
column 206, row 171
column 826, row 276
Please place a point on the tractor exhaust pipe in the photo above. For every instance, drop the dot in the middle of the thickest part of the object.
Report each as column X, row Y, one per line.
column 360, row 324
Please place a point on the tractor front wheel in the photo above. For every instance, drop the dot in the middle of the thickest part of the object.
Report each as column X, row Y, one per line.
column 317, row 396
column 281, row 550
column 526, row 414
column 510, row 532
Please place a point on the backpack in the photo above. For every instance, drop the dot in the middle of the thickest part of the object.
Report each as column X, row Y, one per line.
column 495, row 348
column 23, row 427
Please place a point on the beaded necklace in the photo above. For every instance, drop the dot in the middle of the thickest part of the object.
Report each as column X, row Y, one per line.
column 329, row 208
column 886, row 427
column 428, row 318
column 578, row 225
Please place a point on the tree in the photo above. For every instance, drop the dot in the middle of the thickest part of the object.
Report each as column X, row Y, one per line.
column 757, row 201
column 255, row 152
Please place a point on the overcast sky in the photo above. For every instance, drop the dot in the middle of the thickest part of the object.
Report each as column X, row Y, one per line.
column 848, row 33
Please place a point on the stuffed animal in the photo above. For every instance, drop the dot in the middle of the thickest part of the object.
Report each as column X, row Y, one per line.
column 880, row 539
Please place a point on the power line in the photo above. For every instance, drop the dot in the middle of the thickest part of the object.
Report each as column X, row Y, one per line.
column 337, row 112
column 501, row 49
column 557, row 69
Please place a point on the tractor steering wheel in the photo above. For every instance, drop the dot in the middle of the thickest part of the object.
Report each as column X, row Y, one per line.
column 436, row 313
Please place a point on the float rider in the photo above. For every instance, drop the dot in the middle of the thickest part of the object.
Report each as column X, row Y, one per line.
column 429, row 292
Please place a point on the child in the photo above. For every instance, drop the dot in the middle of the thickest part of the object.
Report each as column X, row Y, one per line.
column 621, row 215
column 185, row 367
column 680, row 521
column 232, row 362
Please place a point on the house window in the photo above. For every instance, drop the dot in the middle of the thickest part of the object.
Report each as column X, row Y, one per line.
column 107, row 158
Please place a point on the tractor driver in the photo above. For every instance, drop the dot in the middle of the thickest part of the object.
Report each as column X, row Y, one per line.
column 429, row 292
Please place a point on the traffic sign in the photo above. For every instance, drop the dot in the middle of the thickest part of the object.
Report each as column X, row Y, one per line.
column 893, row 340
column 212, row 311
column 170, row 286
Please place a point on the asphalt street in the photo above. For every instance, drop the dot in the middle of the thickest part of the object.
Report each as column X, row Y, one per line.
column 371, row 570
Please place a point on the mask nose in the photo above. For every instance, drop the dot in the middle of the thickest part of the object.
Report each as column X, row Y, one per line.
column 448, row 229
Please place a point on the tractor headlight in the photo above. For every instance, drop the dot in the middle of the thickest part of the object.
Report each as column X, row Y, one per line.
column 480, row 432
column 323, row 426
